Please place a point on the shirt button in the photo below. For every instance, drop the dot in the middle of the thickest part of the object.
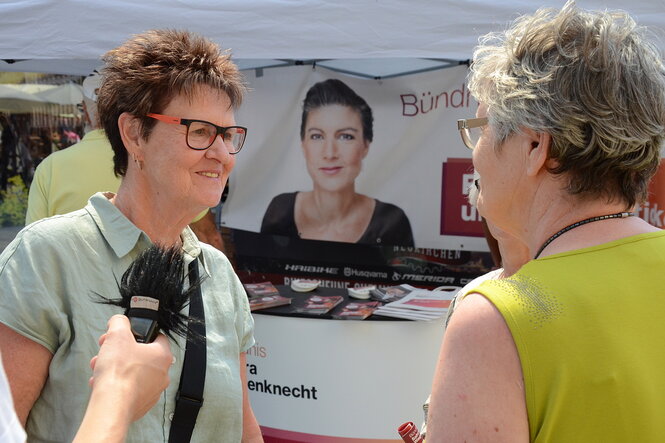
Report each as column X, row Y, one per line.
column 171, row 416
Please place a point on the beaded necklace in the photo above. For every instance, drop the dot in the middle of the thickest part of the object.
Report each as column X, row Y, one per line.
column 580, row 223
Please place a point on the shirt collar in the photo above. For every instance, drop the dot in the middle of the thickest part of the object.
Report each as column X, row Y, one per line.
column 192, row 247
column 120, row 233
column 123, row 235
column 190, row 244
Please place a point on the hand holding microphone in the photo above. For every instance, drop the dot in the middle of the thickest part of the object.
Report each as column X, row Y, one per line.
column 128, row 379
column 141, row 370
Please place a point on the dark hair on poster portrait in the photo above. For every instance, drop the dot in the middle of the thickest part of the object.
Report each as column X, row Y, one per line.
column 336, row 131
column 336, row 92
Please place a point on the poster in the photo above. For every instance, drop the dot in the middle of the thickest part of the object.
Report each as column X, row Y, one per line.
column 415, row 164
column 414, row 134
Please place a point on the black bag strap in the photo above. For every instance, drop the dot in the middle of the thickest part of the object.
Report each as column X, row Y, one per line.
column 189, row 397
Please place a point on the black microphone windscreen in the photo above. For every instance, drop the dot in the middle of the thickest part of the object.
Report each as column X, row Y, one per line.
column 156, row 280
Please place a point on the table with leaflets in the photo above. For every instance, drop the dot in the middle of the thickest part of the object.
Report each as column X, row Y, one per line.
column 298, row 301
column 313, row 378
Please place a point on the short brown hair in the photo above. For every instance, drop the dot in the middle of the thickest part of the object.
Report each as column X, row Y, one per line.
column 146, row 72
column 592, row 81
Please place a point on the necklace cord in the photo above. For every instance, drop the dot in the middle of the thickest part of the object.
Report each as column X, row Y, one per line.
column 580, row 223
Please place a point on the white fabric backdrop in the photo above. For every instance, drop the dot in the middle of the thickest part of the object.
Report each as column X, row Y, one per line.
column 271, row 29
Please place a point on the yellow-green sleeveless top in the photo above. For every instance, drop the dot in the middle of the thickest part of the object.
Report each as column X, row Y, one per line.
column 589, row 326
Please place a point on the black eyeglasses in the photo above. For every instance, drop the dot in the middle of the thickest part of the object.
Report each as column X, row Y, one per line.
column 202, row 134
column 471, row 129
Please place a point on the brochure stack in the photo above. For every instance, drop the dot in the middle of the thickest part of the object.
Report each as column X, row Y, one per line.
column 420, row 304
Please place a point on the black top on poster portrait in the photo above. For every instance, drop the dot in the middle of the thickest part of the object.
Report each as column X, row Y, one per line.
column 388, row 225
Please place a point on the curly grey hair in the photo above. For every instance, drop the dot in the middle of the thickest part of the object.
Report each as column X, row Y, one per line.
column 590, row 80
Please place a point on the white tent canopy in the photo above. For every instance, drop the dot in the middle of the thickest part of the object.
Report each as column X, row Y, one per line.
column 68, row 36
column 27, row 97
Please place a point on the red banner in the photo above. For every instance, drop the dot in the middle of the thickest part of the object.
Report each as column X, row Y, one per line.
column 458, row 217
column 653, row 210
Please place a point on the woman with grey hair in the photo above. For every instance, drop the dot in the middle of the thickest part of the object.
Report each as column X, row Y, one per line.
column 569, row 131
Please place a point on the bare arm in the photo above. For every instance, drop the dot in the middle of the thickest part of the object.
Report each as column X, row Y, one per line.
column 26, row 364
column 251, row 432
column 478, row 391
column 128, row 379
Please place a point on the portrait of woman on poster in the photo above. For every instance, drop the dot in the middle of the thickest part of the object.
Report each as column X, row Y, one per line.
column 336, row 131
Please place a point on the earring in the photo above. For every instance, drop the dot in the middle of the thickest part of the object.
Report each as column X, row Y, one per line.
column 138, row 162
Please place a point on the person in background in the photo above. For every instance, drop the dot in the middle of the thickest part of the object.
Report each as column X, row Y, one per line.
column 166, row 103
column 65, row 180
column 127, row 380
column 566, row 138
column 336, row 131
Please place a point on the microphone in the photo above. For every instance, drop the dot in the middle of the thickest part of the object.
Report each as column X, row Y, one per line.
column 153, row 295
column 143, row 313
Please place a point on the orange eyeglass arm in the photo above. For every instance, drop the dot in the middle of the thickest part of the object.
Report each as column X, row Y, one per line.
column 165, row 118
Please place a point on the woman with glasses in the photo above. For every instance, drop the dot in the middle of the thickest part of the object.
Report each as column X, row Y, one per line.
column 166, row 103
column 567, row 136
column 336, row 131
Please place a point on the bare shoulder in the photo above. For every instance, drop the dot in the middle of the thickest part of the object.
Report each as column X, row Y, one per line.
column 478, row 390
